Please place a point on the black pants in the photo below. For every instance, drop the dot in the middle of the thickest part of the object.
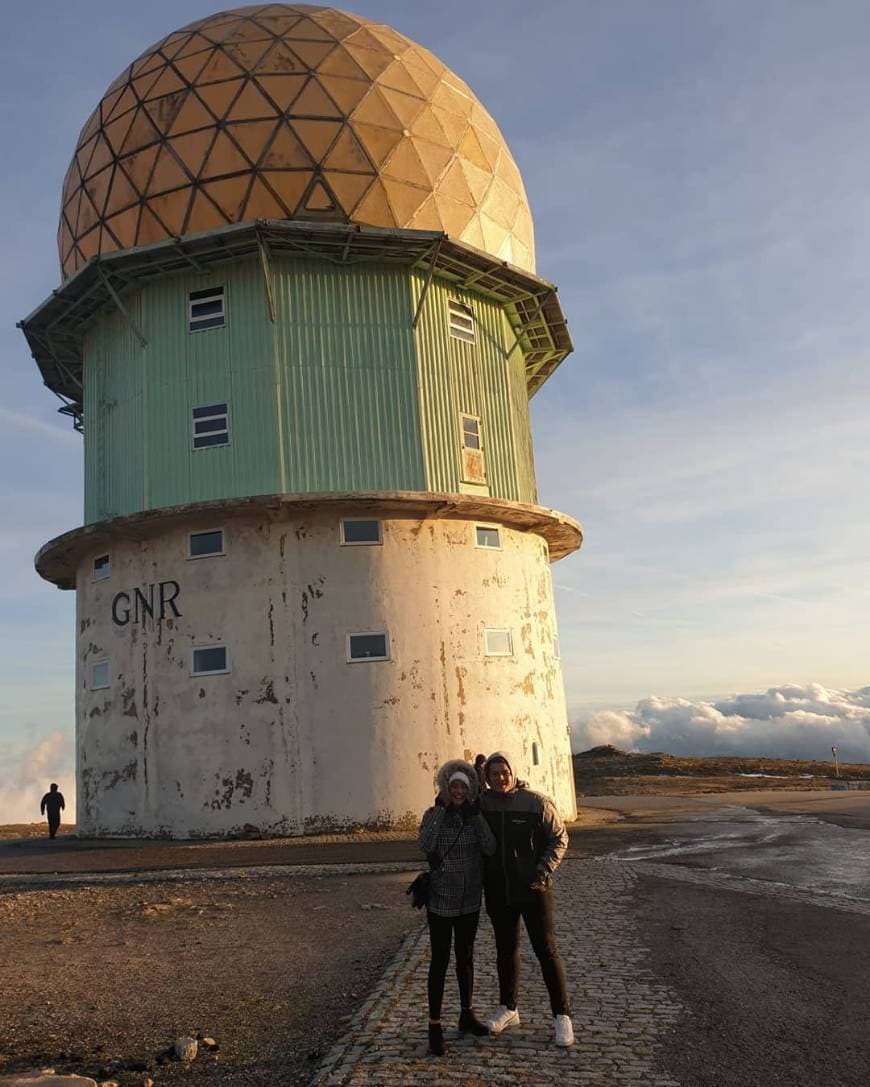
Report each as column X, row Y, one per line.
column 538, row 917
column 441, row 932
column 53, row 824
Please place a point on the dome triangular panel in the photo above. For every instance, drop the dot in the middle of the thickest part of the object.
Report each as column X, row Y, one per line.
column 279, row 110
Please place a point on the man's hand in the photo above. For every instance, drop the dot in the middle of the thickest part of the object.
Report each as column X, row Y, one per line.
column 541, row 884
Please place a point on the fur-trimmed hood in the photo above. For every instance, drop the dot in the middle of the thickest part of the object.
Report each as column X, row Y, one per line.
column 442, row 778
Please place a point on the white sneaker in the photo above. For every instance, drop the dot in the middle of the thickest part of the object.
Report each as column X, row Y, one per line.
column 564, row 1030
column 503, row 1018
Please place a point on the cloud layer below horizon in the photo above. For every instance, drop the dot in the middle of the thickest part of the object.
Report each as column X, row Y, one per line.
column 787, row 722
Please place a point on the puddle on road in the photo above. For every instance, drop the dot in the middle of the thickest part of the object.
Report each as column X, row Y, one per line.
column 792, row 850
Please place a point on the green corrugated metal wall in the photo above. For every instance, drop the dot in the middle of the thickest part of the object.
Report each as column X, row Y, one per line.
column 482, row 379
column 349, row 399
column 326, row 398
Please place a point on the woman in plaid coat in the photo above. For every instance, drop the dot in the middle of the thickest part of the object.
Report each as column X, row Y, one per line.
column 455, row 836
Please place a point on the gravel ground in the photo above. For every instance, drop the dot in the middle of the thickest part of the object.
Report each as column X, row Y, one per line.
column 267, row 967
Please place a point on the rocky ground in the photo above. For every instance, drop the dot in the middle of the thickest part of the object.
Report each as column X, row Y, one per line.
column 14, row 831
column 101, row 979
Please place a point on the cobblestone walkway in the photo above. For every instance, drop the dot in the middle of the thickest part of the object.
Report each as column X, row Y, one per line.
column 620, row 1009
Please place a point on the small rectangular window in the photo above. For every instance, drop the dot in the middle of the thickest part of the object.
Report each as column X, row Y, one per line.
column 205, row 309
column 460, row 321
column 470, row 432
column 498, row 642
column 100, row 676
column 210, row 660
column 370, row 645
column 536, row 753
column 486, row 536
column 206, row 543
column 211, row 426
column 102, row 567
column 355, row 531
column 557, row 650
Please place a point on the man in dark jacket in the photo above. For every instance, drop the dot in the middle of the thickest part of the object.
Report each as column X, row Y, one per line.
column 531, row 842
column 52, row 803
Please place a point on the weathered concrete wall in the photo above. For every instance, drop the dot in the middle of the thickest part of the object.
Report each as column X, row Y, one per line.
column 294, row 738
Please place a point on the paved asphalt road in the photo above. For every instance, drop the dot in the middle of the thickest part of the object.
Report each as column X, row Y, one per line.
column 759, row 918
column 753, row 908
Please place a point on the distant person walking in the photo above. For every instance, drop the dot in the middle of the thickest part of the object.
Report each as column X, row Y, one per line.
column 479, row 764
column 454, row 835
column 531, row 842
column 53, row 804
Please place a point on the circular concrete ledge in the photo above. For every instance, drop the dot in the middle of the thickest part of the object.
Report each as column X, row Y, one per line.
column 58, row 560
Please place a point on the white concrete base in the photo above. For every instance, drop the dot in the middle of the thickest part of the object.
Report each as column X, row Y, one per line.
column 294, row 738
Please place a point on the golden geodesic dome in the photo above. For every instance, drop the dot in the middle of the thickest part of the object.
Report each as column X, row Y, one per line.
column 283, row 111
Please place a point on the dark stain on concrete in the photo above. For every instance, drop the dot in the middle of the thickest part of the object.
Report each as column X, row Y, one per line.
column 460, row 684
column 268, row 694
column 146, row 721
column 445, row 695
column 112, row 778
column 311, row 592
column 128, row 698
column 243, row 784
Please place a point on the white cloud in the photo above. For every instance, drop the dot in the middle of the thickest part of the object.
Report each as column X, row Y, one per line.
column 22, row 421
column 25, row 776
column 788, row 722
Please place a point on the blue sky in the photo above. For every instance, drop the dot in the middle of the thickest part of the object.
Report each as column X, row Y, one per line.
column 699, row 177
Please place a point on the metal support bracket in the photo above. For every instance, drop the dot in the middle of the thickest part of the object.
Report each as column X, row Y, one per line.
column 117, row 300
column 182, row 252
column 528, row 324
column 263, row 250
column 433, row 260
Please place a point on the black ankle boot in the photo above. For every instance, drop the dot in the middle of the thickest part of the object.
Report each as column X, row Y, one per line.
column 469, row 1023
column 436, row 1040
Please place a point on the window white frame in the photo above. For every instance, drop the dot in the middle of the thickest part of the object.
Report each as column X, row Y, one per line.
column 206, row 309
column 206, row 554
column 367, row 634
column 210, row 426
column 360, row 543
column 487, row 546
column 473, row 431
column 460, row 321
column 487, row 647
column 209, row 671
column 105, row 680
column 103, row 572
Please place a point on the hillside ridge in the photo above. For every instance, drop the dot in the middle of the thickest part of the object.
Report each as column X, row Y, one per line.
column 607, row 770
